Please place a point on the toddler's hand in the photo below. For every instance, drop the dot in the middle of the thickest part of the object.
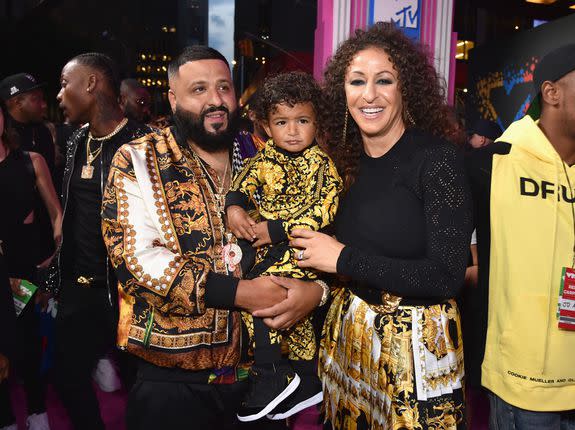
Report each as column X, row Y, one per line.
column 262, row 234
column 240, row 223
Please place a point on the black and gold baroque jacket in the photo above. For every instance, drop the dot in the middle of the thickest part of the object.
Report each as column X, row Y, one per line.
column 165, row 238
column 296, row 190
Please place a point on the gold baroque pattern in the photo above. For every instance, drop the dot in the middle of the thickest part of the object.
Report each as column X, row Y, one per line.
column 366, row 363
column 164, row 320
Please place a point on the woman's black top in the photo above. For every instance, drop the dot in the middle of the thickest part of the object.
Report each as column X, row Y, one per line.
column 406, row 222
column 19, row 198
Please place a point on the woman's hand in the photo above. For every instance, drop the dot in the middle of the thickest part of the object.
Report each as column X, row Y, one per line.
column 320, row 251
column 15, row 286
column 302, row 298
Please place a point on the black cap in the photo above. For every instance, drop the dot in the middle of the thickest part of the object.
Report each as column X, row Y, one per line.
column 486, row 128
column 552, row 67
column 20, row 83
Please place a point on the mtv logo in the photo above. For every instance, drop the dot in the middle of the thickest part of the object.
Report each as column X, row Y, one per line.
column 13, row 90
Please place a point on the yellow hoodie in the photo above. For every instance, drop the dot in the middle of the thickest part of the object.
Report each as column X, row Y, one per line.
column 529, row 362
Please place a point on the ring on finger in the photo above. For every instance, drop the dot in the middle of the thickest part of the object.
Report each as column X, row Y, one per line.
column 300, row 255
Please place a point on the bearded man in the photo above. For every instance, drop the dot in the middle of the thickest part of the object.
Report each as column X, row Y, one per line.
column 176, row 264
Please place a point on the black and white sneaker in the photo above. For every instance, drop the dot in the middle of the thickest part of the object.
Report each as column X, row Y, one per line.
column 269, row 385
column 308, row 393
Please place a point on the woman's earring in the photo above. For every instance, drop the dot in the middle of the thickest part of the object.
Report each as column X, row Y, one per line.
column 409, row 117
column 344, row 134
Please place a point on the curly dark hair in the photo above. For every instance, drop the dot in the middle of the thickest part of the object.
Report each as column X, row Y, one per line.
column 290, row 88
column 421, row 88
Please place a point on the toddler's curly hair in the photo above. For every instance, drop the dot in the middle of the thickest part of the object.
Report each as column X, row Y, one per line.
column 290, row 88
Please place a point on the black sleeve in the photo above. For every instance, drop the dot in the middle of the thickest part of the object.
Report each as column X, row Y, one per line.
column 447, row 207
column 236, row 198
column 478, row 166
column 220, row 291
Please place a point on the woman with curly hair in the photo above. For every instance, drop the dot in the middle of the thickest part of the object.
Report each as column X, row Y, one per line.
column 391, row 355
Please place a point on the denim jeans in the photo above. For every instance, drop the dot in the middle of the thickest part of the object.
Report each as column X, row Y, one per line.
column 504, row 416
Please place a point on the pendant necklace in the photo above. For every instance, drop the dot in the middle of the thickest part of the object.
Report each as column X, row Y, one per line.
column 231, row 252
column 88, row 169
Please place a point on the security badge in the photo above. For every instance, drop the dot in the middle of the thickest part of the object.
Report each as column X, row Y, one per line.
column 566, row 305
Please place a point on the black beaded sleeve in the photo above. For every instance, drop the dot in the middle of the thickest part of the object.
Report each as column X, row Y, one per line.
column 447, row 210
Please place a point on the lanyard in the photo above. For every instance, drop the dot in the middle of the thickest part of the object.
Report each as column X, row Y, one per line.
column 572, row 209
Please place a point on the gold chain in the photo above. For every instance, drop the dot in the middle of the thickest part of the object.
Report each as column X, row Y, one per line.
column 91, row 156
column 112, row 134
column 218, row 199
column 218, row 194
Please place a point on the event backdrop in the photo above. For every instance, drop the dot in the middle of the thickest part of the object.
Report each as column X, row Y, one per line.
column 501, row 73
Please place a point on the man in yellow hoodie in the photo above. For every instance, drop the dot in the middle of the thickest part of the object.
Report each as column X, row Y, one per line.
column 525, row 220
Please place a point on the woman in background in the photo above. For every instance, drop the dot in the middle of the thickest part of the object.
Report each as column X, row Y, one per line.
column 24, row 178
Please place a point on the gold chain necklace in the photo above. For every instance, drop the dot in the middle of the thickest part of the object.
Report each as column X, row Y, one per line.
column 231, row 252
column 218, row 192
column 88, row 169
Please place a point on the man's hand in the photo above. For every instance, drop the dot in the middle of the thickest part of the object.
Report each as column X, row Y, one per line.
column 240, row 223
column 4, row 367
column 302, row 298
column 262, row 234
column 259, row 293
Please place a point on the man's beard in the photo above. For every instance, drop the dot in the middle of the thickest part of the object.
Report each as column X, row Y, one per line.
column 191, row 127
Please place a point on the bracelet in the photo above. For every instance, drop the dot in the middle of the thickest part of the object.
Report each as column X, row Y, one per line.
column 326, row 291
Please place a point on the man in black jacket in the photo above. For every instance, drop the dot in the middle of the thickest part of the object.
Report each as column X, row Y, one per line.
column 87, row 314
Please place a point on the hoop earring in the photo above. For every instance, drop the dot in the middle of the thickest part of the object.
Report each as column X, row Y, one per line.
column 409, row 117
column 344, row 133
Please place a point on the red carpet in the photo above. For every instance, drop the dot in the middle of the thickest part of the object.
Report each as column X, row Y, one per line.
column 112, row 407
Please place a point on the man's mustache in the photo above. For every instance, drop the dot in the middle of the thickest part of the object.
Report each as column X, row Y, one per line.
column 213, row 109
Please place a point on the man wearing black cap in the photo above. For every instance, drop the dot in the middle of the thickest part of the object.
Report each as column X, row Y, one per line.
column 483, row 133
column 25, row 103
column 525, row 220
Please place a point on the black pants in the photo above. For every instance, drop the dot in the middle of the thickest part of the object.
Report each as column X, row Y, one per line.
column 164, row 398
column 26, row 362
column 85, row 331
